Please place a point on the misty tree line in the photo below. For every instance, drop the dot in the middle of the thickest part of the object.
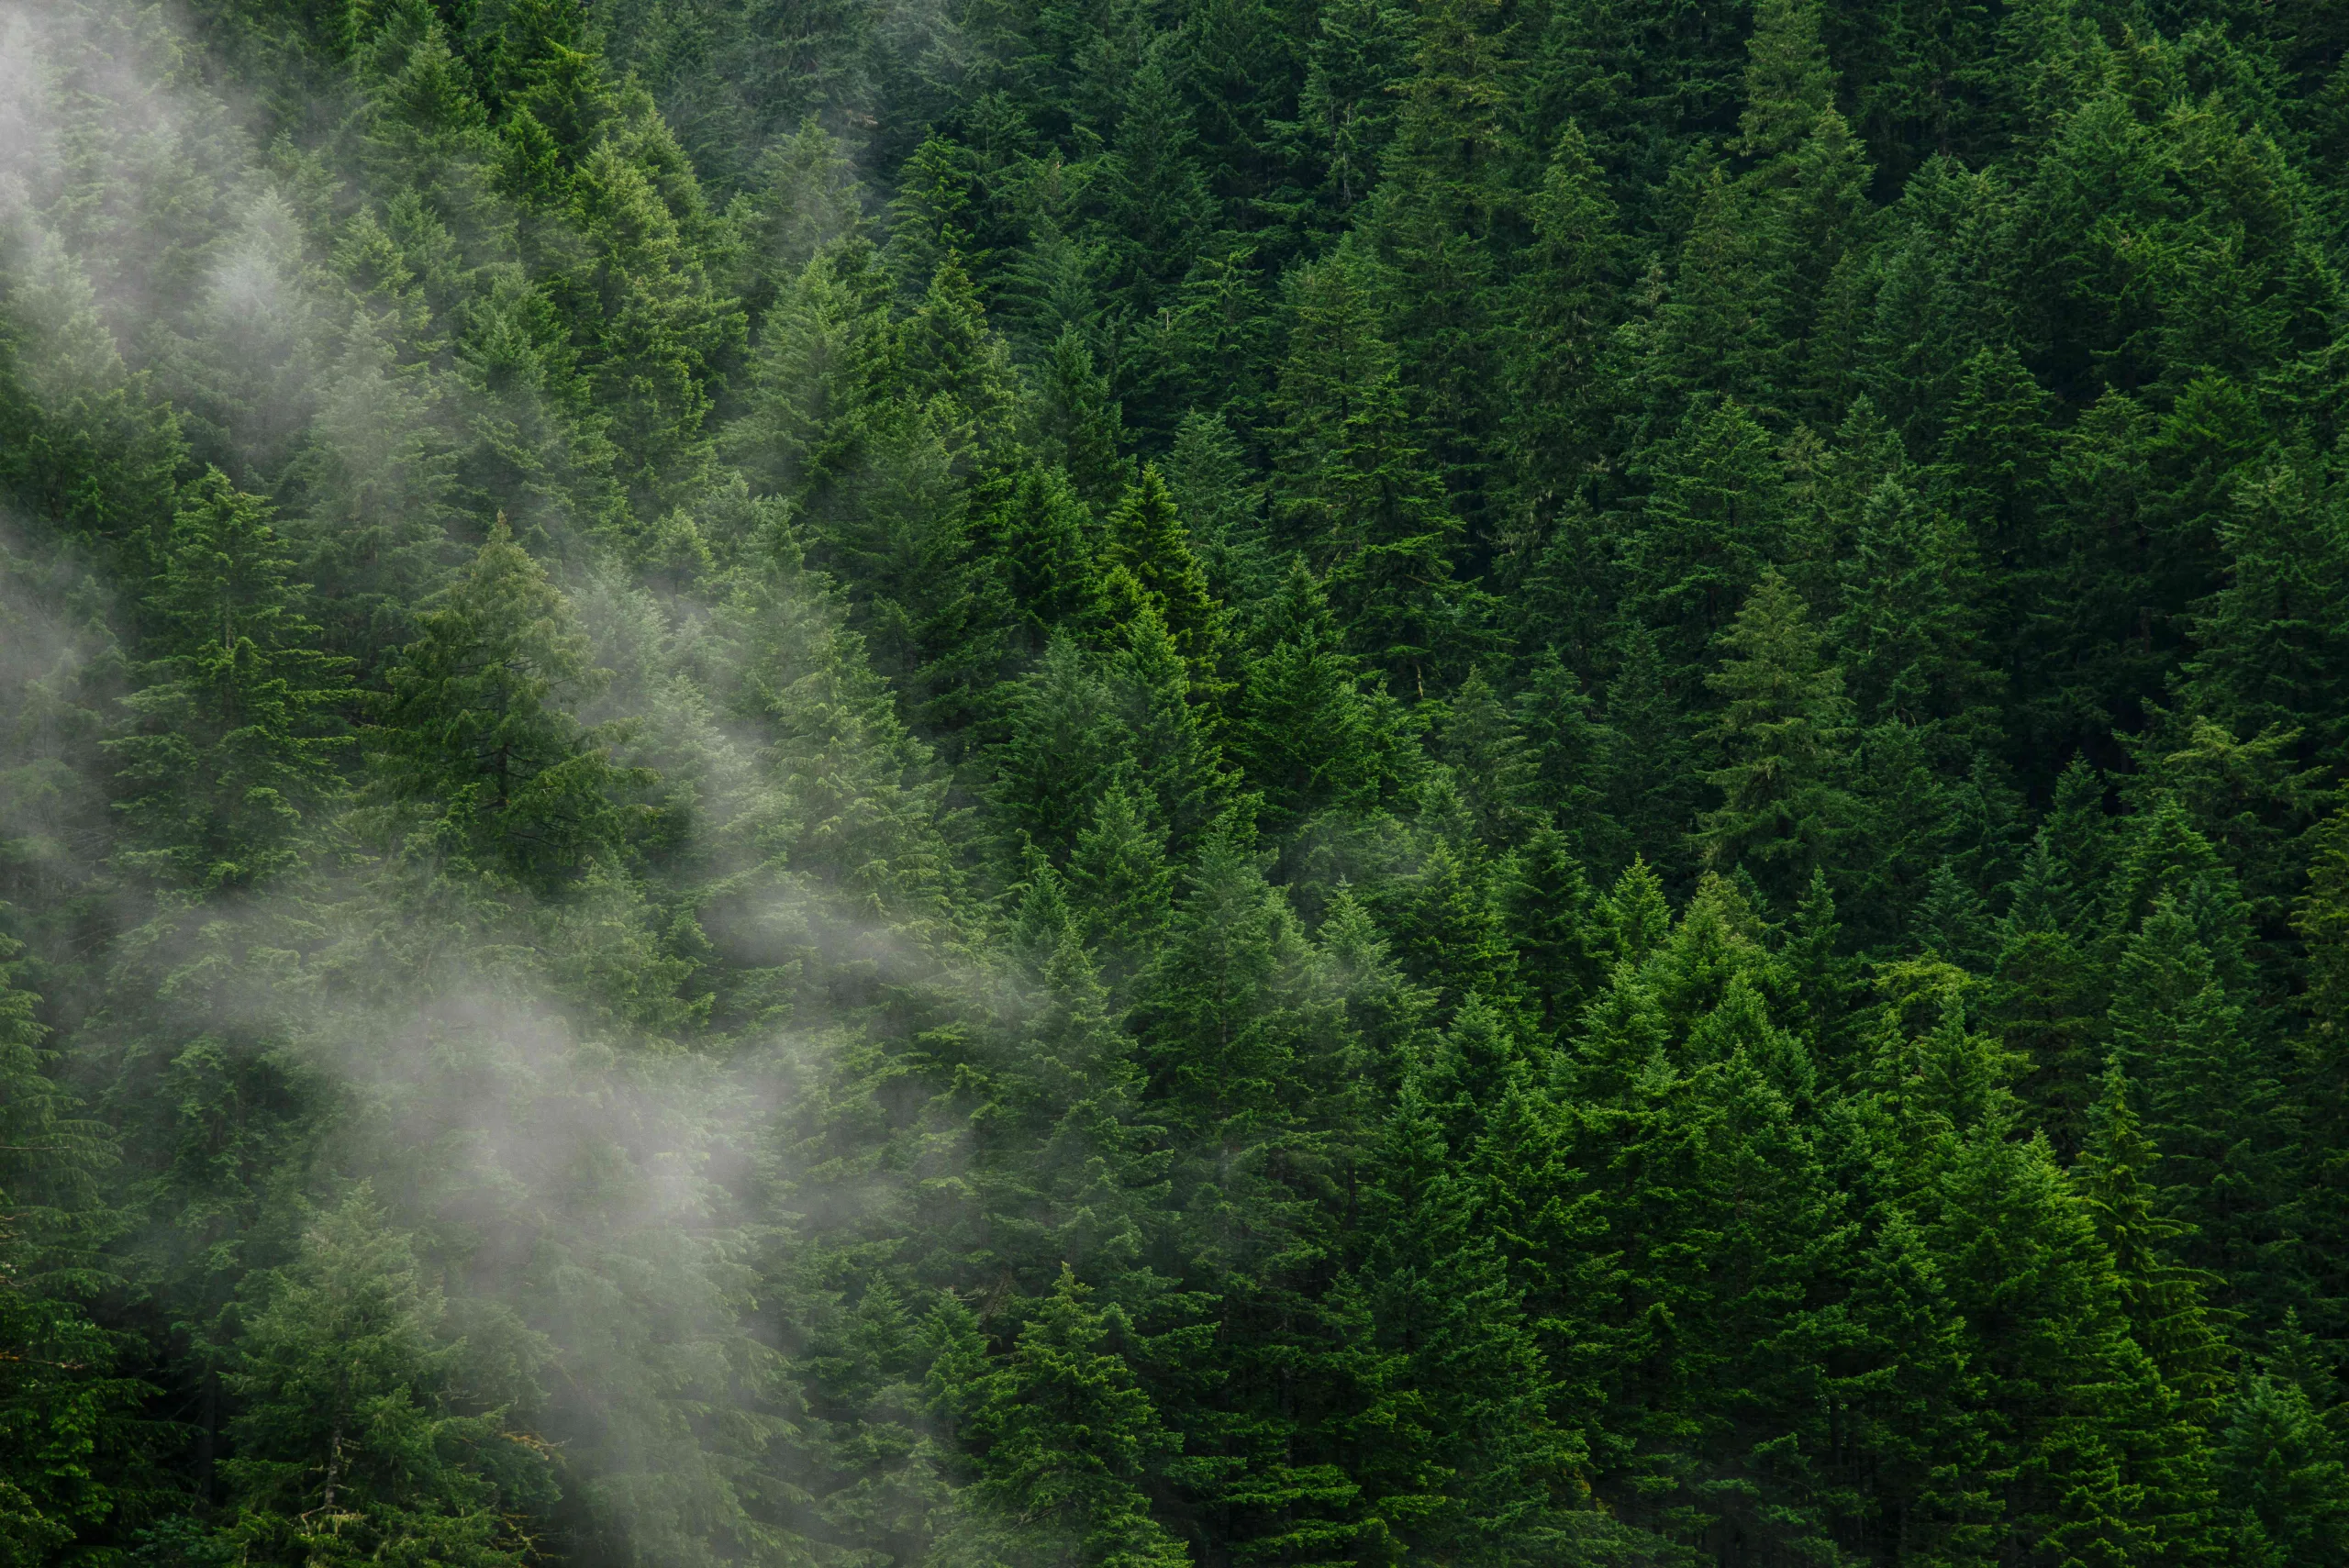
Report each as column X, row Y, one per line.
column 1483, row 782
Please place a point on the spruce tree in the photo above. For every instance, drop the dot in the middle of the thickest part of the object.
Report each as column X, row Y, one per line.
column 1149, row 540
column 234, row 769
column 477, row 746
column 1780, row 734
column 1711, row 525
column 1070, row 1443
column 352, row 1442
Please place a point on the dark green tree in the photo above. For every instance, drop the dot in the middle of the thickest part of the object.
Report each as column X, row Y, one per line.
column 1780, row 734
column 353, row 1444
column 234, row 770
column 476, row 746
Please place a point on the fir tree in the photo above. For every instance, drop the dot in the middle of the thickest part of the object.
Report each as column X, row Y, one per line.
column 1779, row 734
column 1709, row 526
column 235, row 767
column 349, row 1445
column 1148, row 540
column 1070, row 1442
column 479, row 736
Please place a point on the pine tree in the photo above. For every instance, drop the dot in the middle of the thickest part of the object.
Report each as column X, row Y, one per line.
column 1078, row 422
column 1953, row 923
column 952, row 364
column 67, row 1411
column 1909, row 625
column 2047, row 996
column 235, row 770
column 1071, row 1439
column 1714, row 339
column 2267, row 643
column 806, row 196
column 1788, row 83
column 2091, row 1452
column 1446, row 186
column 477, row 736
column 377, row 483
column 2212, row 1102
column 652, row 326
column 1711, row 524
column 1174, row 758
column 1067, row 1170
column 1148, row 540
column 1569, row 750
column 1220, row 1059
column 2164, row 1301
column 1061, row 749
column 1918, row 1405
column 2281, row 1479
column 1993, row 465
column 1491, row 762
column 1121, row 881
column 350, row 1449
column 826, row 354
column 1346, row 109
column 1307, row 735
column 1222, row 504
column 1462, row 1455
column 88, row 447
column 1351, row 487
column 1039, row 537
column 1158, row 204
column 1554, row 331
column 1649, row 767
column 2321, row 919
column 1780, row 734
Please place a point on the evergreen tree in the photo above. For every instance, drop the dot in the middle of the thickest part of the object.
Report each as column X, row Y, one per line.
column 1461, row 1452
column 972, row 936
column 2047, row 996
column 1553, row 334
column 2164, row 1301
column 1070, row 1440
column 2212, row 1103
column 1711, row 524
column 1308, row 735
column 350, row 1448
column 1352, row 489
column 1175, row 760
column 2281, row 1479
column 235, row 767
column 1650, row 763
column 477, row 737
column 2322, row 1070
column 1039, row 536
column 2266, row 649
column 1788, row 83
column 1780, row 732
column 65, row 1405
column 1149, row 540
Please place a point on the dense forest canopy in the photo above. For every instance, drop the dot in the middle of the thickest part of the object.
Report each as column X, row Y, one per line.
column 1266, row 783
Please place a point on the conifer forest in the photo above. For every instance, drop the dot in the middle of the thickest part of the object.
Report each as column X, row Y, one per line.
column 1173, row 783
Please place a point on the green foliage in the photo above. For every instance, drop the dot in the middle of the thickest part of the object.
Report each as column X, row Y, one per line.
column 351, row 1449
column 477, row 737
column 234, row 765
column 787, row 784
column 1781, row 728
